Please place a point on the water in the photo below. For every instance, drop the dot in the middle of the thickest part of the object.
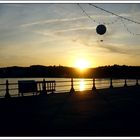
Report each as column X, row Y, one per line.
column 64, row 84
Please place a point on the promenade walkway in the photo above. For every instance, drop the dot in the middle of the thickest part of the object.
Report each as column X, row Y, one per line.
column 105, row 112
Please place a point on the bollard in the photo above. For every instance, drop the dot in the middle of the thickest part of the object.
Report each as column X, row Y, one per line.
column 72, row 88
column 137, row 82
column 7, row 95
column 94, row 87
column 125, row 83
column 111, row 84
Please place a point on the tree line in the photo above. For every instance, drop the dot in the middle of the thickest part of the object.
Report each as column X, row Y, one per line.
column 114, row 71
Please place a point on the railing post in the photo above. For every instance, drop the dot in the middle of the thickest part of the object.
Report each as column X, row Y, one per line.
column 94, row 87
column 125, row 83
column 72, row 88
column 44, row 92
column 137, row 82
column 111, row 84
column 7, row 95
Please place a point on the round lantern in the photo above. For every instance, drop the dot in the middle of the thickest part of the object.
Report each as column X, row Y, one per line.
column 101, row 29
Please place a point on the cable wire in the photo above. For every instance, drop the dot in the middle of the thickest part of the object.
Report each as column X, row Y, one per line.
column 125, row 26
column 121, row 18
column 107, row 23
column 114, row 14
column 85, row 13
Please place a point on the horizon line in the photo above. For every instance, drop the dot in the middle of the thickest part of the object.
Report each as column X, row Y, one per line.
column 69, row 66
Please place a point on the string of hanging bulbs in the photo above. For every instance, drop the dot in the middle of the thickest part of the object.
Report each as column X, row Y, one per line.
column 121, row 17
column 95, row 21
column 103, row 27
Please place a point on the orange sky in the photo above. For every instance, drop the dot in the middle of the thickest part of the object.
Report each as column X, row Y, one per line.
column 61, row 34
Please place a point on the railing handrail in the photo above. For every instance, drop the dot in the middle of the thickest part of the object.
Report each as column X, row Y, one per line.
column 73, row 82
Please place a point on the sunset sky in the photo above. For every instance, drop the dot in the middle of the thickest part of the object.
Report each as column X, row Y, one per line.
column 61, row 34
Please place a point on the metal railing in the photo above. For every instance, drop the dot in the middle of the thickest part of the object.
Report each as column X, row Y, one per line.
column 69, row 86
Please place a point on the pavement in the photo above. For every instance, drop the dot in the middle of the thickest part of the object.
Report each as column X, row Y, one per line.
column 103, row 112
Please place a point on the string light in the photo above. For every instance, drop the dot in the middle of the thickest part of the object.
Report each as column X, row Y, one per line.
column 107, row 23
column 86, row 13
column 115, row 14
column 121, row 18
column 125, row 26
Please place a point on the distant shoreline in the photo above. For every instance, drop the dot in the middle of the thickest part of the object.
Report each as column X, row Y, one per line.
column 38, row 71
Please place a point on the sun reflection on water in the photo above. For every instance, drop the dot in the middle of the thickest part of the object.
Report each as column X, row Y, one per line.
column 82, row 84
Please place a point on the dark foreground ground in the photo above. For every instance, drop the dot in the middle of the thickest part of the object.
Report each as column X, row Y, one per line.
column 108, row 112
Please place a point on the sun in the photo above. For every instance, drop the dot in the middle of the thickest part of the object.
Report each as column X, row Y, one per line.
column 81, row 64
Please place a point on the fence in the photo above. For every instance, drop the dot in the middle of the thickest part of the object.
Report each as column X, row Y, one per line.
column 67, row 86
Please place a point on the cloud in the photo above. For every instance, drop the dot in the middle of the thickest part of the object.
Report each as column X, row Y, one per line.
column 75, row 29
column 51, row 21
column 121, row 49
column 65, row 35
column 105, row 47
column 37, row 31
column 114, row 48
